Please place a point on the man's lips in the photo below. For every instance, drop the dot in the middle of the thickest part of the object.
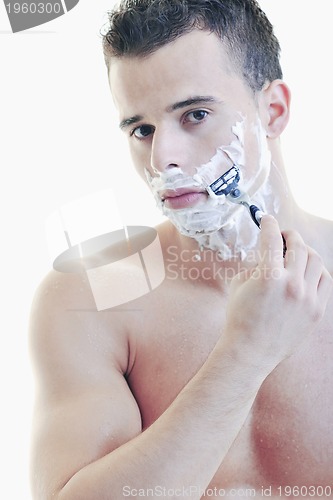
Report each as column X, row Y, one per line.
column 182, row 197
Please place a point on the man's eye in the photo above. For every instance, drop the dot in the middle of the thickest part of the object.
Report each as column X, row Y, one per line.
column 142, row 131
column 196, row 116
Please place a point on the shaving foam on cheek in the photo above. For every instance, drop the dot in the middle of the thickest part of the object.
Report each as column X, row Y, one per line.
column 216, row 223
column 254, row 184
column 235, row 154
column 258, row 186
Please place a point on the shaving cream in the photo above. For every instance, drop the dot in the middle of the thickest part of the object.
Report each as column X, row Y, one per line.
column 215, row 223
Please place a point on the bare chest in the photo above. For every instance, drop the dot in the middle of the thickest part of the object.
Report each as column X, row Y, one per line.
column 288, row 436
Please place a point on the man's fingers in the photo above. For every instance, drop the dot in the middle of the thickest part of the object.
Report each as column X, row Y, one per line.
column 271, row 243
column 314, row 269
column 307, row 272
column 296, row 256
column 325, row 287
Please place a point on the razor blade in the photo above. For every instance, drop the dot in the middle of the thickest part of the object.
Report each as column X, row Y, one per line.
column 227, row 182
column 227, row 185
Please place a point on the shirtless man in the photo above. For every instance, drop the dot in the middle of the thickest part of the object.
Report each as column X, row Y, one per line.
column 220, row 383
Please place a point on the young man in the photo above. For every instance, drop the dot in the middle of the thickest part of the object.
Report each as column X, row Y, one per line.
column 218, row 382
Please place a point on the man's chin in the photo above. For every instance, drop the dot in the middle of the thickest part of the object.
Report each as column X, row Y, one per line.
column 203, row 221
column 196, row 232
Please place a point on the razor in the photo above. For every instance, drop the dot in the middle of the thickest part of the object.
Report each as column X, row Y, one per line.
column 227, row 185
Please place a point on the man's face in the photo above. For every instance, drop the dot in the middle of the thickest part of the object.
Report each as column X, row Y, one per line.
column 177, row 107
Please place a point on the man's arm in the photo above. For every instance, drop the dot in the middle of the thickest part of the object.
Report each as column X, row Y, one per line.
column 88, row 442
column 84, row 408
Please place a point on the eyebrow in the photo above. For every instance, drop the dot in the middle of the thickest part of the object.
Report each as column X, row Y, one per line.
column 129, row 121
column 198, row 99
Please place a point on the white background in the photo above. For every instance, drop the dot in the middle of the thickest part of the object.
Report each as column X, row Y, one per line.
column 59, row 141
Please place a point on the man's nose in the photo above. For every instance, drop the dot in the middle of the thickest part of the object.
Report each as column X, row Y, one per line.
column 169, row 150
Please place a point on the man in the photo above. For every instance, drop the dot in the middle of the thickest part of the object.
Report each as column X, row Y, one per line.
column 213, row 386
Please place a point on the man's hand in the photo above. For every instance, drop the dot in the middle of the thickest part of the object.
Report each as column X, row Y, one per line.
column 275, row 306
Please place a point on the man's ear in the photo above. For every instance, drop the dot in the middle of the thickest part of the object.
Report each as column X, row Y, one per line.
column 276, row 101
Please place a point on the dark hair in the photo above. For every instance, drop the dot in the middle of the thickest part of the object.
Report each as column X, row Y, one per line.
column 139, row 27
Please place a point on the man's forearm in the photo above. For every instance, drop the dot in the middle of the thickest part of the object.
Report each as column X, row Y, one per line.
column 186, row 445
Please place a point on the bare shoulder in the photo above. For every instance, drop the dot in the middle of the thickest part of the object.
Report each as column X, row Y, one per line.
column 64, row 321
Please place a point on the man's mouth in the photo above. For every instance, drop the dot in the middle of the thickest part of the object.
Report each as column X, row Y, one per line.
column 181, row 198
